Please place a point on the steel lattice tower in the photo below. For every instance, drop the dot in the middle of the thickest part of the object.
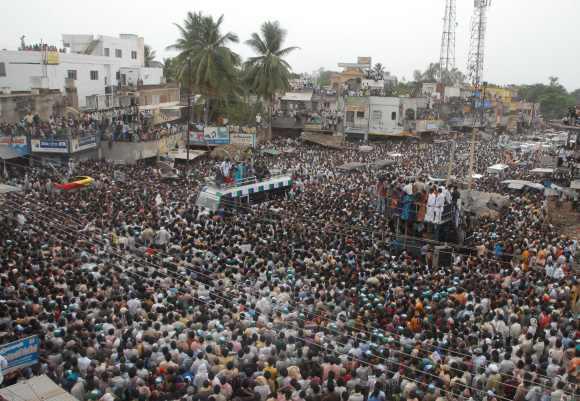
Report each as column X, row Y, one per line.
column 447, row 53
column 477, row 45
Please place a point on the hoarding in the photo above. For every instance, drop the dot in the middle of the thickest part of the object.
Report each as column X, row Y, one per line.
column 243, row 139
column 216, row 135
column 84, row 143
column 17, row 143
column 20, row 354
column 210, row 136
column 48, row 146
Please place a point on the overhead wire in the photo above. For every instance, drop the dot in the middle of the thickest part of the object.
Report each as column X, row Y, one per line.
column 375, row 356
column 360, row 330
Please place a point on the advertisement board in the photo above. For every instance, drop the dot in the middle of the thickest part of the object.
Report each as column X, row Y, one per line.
column 17, row 143
column 53, row 58
column 48, row 146
column 20, row 354
column 210, row 136
column 216, row 135
column 238, row 138
column 84, row 143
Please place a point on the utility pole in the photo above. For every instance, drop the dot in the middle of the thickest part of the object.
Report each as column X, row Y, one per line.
column 189, row 110
column 451, row 158
column 472, row 157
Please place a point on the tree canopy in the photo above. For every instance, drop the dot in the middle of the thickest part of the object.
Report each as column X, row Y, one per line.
column 553, row 98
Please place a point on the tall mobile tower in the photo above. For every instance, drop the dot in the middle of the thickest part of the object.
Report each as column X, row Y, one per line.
column 447, row 54
column 477, row 45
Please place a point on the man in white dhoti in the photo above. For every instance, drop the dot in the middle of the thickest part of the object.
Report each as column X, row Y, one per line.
column 430, row 215
column 439, row 205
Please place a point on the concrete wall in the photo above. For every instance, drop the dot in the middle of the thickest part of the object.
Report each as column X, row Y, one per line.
column 13, row 108
column 127, row 43
column 158, row 95
column 130, row 152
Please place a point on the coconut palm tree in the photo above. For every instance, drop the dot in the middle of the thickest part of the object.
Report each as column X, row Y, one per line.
column 379, row 70
column 268, row 73
column 205, row 62
column 148, row 55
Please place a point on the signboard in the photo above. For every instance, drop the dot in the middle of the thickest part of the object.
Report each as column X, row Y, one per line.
column 216, row 135
column 20, row 354
column 210, row 136
column 84, row 143
column 47, row 146
column 17, row 143
column 364, row 60
column 12, row 140
column 53, row 58
column 243, row 139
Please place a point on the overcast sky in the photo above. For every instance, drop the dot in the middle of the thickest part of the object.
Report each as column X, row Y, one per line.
column 527, row 40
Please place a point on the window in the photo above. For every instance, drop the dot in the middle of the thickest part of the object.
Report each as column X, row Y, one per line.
column 350, row 116
column 377, row 116
column 394, row 115
column 72, row 74
column 118, row 75
column 94, row 75
column 2, row 69
column 118, row 53
column 360, row 114
column 134, row 55
column 107, row 51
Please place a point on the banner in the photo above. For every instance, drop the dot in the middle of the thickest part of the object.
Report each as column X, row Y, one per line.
column 12, row 140
column 20, row 354
column 216, row 135
column 210, row 136
column 17, row 143
column 39, row 145
column 80, row 144
column 243, row 139
column 53, row 58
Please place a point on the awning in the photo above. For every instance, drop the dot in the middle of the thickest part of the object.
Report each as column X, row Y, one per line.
column 8, row 152
column 542, row 171
column 351, row 166
column 36, row 389
column 297, row 97
column 4, row 189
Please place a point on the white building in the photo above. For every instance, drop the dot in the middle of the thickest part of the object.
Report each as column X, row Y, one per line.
column 94, row 64
column 384, row 114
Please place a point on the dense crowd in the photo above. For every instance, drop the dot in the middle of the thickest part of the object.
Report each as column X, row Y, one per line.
column 127, row 124
column 137, row 294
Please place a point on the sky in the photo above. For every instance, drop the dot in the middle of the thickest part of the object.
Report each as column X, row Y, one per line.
column 527, row 40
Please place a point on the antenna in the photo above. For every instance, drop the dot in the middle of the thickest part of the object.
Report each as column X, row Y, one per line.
column 447, row 53
column 477, row 45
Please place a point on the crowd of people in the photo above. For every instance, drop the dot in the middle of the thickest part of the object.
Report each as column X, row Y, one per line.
column 137, row 294
column 37, row 47
column 128, row 124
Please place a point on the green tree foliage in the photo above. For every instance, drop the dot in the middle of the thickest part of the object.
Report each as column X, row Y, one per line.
column 454, row 77
column 553, row 98
column 170, row 69
column 324, row 77
column 268, row 73
column 149, row 55
column 205, row 61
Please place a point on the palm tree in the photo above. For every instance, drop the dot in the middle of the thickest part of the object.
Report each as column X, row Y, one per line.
column 379, row 70
column 205, row 59
column 268, row 73
column 148, row 55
